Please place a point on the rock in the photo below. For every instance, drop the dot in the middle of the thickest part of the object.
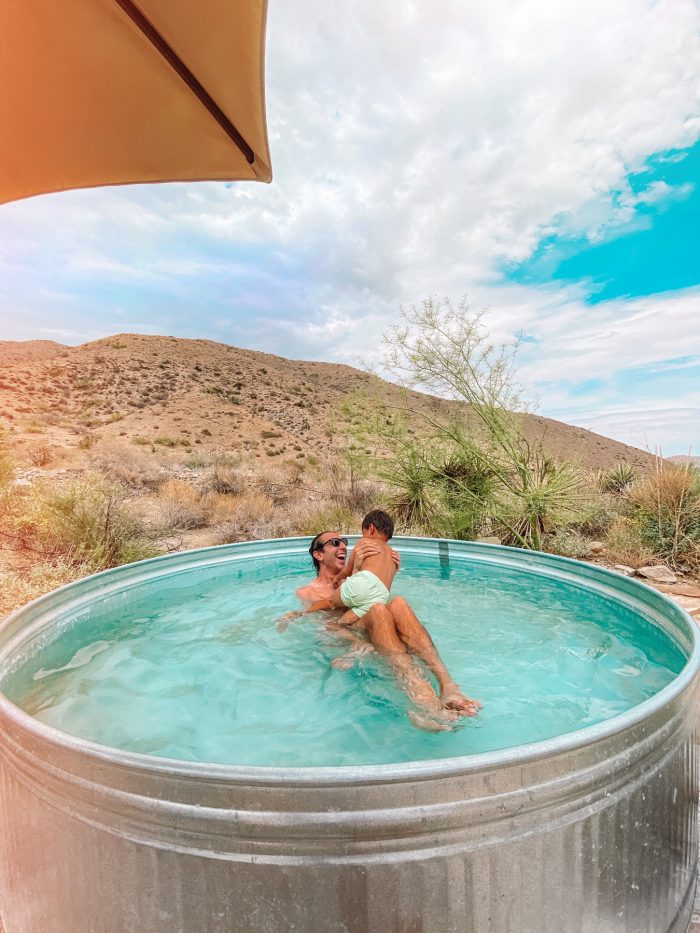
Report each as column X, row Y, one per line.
column 658, row 573
column 624, row 569
column 20, row 483
column 596, row 547
column 488, row 540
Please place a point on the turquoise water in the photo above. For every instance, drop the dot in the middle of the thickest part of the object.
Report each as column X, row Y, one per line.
column 194, row 668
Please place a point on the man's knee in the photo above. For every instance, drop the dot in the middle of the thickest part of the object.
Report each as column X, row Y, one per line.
column 381, row 628
column 403, row 616
column 379, row 617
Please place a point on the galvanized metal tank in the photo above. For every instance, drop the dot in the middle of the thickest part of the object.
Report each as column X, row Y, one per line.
column 593, row 832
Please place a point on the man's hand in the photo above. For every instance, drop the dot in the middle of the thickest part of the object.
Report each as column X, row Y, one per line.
column 396, row 557
column 283, row 621
column 362, row 550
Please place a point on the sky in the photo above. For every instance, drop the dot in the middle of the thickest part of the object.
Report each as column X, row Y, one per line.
column 541, row 157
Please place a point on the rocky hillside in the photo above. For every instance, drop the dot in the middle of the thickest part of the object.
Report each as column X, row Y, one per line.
column 172, row 395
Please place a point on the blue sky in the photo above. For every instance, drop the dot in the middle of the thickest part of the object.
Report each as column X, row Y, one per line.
column 542, row 158
column 654, row 249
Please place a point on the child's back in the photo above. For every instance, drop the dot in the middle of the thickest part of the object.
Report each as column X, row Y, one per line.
column 382, row 565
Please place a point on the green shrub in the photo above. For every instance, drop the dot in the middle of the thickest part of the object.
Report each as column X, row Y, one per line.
column 625, row 544
column 568, row 543
column 195, row 461
column 88, row 524
column 599, row 515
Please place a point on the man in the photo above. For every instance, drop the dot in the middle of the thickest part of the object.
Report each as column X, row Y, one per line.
column 393, row 630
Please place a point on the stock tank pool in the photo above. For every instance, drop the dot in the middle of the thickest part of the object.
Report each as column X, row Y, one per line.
column 170, row 761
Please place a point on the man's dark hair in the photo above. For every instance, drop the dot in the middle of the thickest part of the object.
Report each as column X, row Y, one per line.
column 314, row 547
column 382, row 521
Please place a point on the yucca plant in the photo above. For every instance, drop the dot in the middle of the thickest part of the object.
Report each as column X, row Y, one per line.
column 618, row 479
column 413, row 501
column 547, row 495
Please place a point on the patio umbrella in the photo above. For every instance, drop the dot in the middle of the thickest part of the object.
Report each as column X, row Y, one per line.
column 105, row 92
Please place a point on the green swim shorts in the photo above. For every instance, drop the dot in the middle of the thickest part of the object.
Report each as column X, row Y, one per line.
column 363, row 590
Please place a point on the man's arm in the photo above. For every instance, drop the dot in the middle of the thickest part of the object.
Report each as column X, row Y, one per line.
column 347, row 569
column 317, row 606
column 330, row 602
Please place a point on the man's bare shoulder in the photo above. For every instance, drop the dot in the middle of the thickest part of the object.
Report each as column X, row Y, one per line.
column 317, row 589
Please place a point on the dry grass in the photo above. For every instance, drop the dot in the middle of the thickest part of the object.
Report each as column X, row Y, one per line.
column 22, row 585
column 126, row 465
column 181, row 507
column 666, row 506
column 223, row 479
column 624, row 544
column 250, row 515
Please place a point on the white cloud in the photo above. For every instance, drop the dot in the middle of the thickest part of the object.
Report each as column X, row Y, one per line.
column 415, row 148
column 658, row 430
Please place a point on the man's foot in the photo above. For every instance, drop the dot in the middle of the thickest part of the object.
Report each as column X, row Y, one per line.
column 283, row 621
column 452, row 698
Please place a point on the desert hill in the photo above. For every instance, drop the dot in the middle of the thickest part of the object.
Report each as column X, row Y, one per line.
column 25, row 351
column 175, row 395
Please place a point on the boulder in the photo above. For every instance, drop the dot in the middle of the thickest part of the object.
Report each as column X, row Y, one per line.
column 658, row 574
column 488, row 540
column 596, row 547
column 624, row 569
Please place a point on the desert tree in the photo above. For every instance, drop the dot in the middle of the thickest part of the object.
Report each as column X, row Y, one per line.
column 496, row 471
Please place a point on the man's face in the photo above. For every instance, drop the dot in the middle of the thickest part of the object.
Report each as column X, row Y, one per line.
column 331, row 556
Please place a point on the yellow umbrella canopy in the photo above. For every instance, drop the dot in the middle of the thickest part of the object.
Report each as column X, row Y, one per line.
column 108, row 92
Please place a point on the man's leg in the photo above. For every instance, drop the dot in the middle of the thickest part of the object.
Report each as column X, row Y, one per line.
column 417, row 640
column 360, row 646
column 380, row 626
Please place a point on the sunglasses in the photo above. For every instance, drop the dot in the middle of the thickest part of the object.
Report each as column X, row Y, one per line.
column 334, row 542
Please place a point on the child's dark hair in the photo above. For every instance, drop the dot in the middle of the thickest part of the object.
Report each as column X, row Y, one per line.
column 382, row 521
